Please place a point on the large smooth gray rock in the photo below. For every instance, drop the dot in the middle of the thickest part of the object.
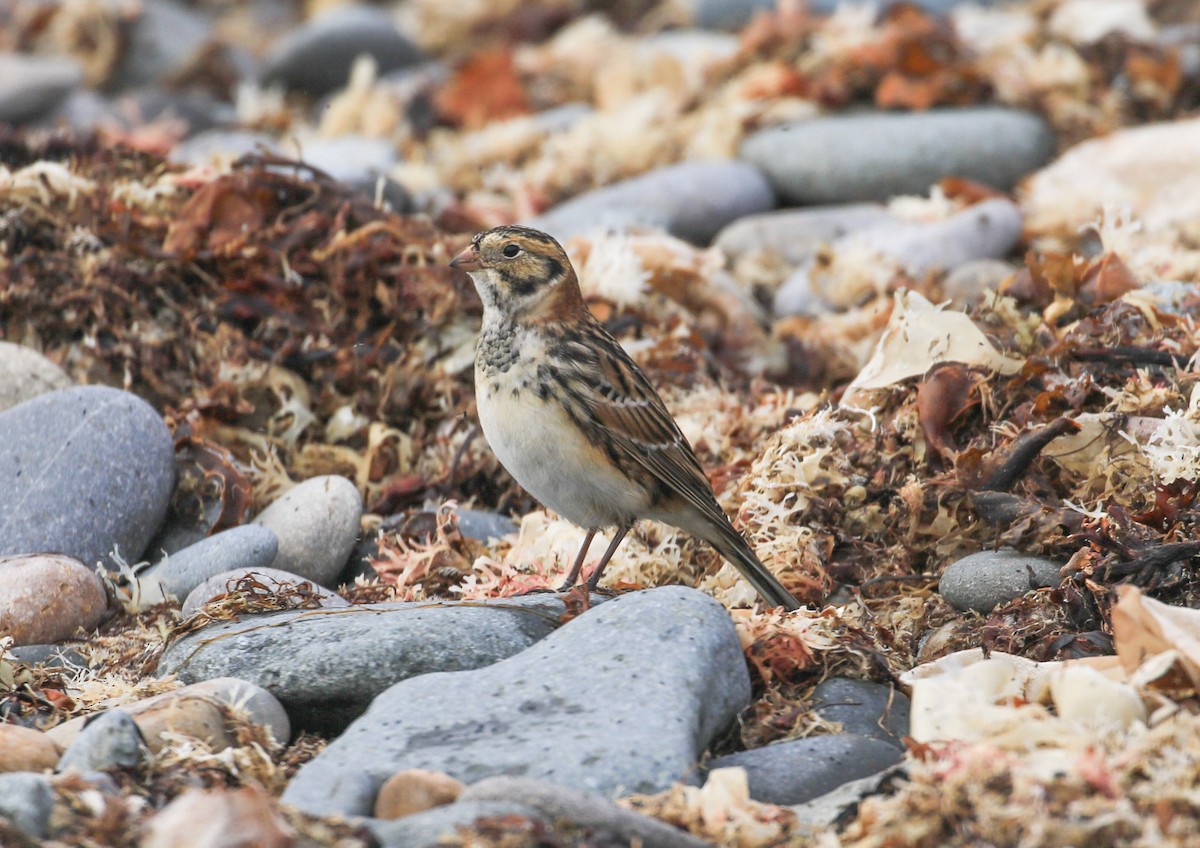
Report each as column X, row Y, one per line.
column 863, row 707
column 691, row 200
column 316, row 523
column 802, row 769
column 797, row 234
column 878, row 155
column 248, row 546
column 338, row 661
column 623, row 699
column 26, row 800
column 33, row 86
column 984, row 580
column 88, row 470
column 987, row 230
column 316, row 57
column 25, row 374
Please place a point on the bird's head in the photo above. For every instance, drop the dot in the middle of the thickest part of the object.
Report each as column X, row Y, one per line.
column 521, row 272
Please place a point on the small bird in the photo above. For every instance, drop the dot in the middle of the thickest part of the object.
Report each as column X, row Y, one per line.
column 571, row 416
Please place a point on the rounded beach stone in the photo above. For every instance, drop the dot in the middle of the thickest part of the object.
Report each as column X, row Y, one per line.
column 796, row 234
column 26, row 800
column 274, row 579
column 111, row 740
column 316, row 58
column 25, row 373
column 316, row 523
column 802, row 769
column 878, row 155
column 983, row 580
column 33, row 86
column 967, row 284
column 691, row 200
column 48, row 598
column 91, row 469
column 26, row 749
column 246, row 547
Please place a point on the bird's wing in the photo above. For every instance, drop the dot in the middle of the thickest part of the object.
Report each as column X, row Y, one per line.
column 629, row 419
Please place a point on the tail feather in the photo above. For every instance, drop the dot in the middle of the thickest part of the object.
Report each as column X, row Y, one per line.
column 738, row 552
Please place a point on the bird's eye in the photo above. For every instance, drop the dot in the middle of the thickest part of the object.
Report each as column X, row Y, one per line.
column 511, row 250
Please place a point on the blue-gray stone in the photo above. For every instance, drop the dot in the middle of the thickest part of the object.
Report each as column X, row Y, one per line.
column 271, row 580
column 878, row 155
column 89, row 470
column 34, row 86
column 164, row 38
column 248, row 546
column 112, row 740
column 864, row 708
column 691, row 200
column 984, row 580
column 802, row 769
column 316, row 57
column 484, row 526
column 26, row 800
column 622, row 699
column 338, row 663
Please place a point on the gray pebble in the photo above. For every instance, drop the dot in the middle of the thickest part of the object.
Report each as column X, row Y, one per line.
column 981, row 581
column 34, row 86
column 802, row 769
column 439, row 826
column 164, row 38
column 94, row 467
column 248, row 546
column 25, row 373
column 272, row 579
column 316, row 57
column 878, row 155
column 338, row 663
column 27, row 800
column 622, row 699
column 863, row 707
column 595, row 814
column 50, row 657
column 111, row 741
column 691, row 200
column 316, row 523
column 797, row 234
column 986, row 230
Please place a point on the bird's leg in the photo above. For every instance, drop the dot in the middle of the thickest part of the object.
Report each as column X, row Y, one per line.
column 573, row 574
column 594, row 580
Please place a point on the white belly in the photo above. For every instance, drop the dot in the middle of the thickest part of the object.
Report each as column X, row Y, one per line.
column 550, row 458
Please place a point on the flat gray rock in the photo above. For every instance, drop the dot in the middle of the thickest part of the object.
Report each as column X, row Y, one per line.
column 984, row 580
column 316, row 523
column 248, row 546
column 691, row 200
column 33, row 86
column 25, row 373
column 595, row 814
column 797, row 234
column 26, row 800
column 864, row 708
column 338, row 661
column 272, row 580
column 439, row 826
column 987, row 230
column 89, row 469
column 112, row 740
column 878, row 155
column 625, row 698
column 316, row 57
column 802, row 769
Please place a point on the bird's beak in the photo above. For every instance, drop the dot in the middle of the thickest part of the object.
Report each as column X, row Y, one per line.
column 468, row 260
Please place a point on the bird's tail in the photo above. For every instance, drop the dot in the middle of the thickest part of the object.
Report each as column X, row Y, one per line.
column 734, row 548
